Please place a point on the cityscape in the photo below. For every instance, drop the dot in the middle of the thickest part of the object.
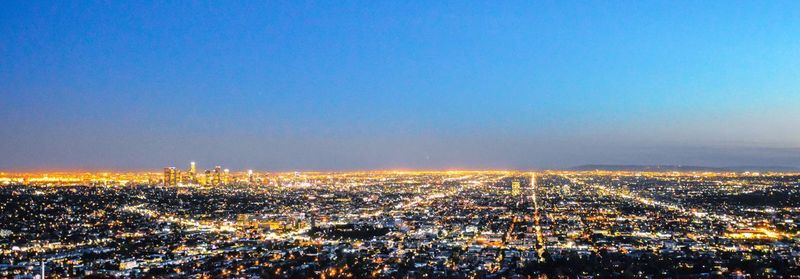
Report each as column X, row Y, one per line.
column 411, row 139
column 400, row 224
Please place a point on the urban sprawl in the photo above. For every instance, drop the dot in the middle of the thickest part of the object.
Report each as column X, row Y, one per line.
column 390, row 224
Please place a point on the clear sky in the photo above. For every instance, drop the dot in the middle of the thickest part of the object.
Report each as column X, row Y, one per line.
column 301, row 85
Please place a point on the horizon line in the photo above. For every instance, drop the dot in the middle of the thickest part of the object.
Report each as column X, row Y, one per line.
column 710, row 169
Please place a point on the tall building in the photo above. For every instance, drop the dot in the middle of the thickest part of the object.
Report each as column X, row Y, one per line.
column 217, row 180
column 208, row 178
column 167, row 176
column 171, row 176
column 226, row 176
column 250, row 177
column 515, row 188
column 192, row 173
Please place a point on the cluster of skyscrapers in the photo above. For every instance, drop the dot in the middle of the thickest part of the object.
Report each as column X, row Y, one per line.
column 174, row 176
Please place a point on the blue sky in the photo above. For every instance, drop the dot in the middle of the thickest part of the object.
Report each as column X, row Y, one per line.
column 299, row 85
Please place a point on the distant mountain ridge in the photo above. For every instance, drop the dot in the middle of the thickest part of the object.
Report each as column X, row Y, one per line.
column 684, row 168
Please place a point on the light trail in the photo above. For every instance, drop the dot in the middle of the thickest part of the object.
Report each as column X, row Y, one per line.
column 213, row 226
column 693, row 212
column 536, row 219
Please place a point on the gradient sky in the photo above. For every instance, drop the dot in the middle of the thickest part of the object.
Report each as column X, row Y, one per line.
column 334, row 85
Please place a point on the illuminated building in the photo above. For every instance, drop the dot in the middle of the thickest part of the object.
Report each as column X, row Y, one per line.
column 167, row 175
column 217, row 180
column 243, row 220
column 515, row 188
column 226, row 176
column 208, row 178
column 192, row 173
column 171, row 176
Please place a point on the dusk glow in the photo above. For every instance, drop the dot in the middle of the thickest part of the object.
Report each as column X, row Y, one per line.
column 382, row 85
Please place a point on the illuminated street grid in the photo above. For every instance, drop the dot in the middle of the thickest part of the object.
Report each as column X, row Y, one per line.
column 458, row 224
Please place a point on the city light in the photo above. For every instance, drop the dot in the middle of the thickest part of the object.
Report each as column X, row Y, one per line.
column 395, row 223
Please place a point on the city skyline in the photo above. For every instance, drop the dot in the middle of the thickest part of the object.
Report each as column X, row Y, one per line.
column 399, row 139
column 445, row 224
column 360, row 86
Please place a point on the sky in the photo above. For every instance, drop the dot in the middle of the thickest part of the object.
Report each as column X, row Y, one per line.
column 344, row 85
